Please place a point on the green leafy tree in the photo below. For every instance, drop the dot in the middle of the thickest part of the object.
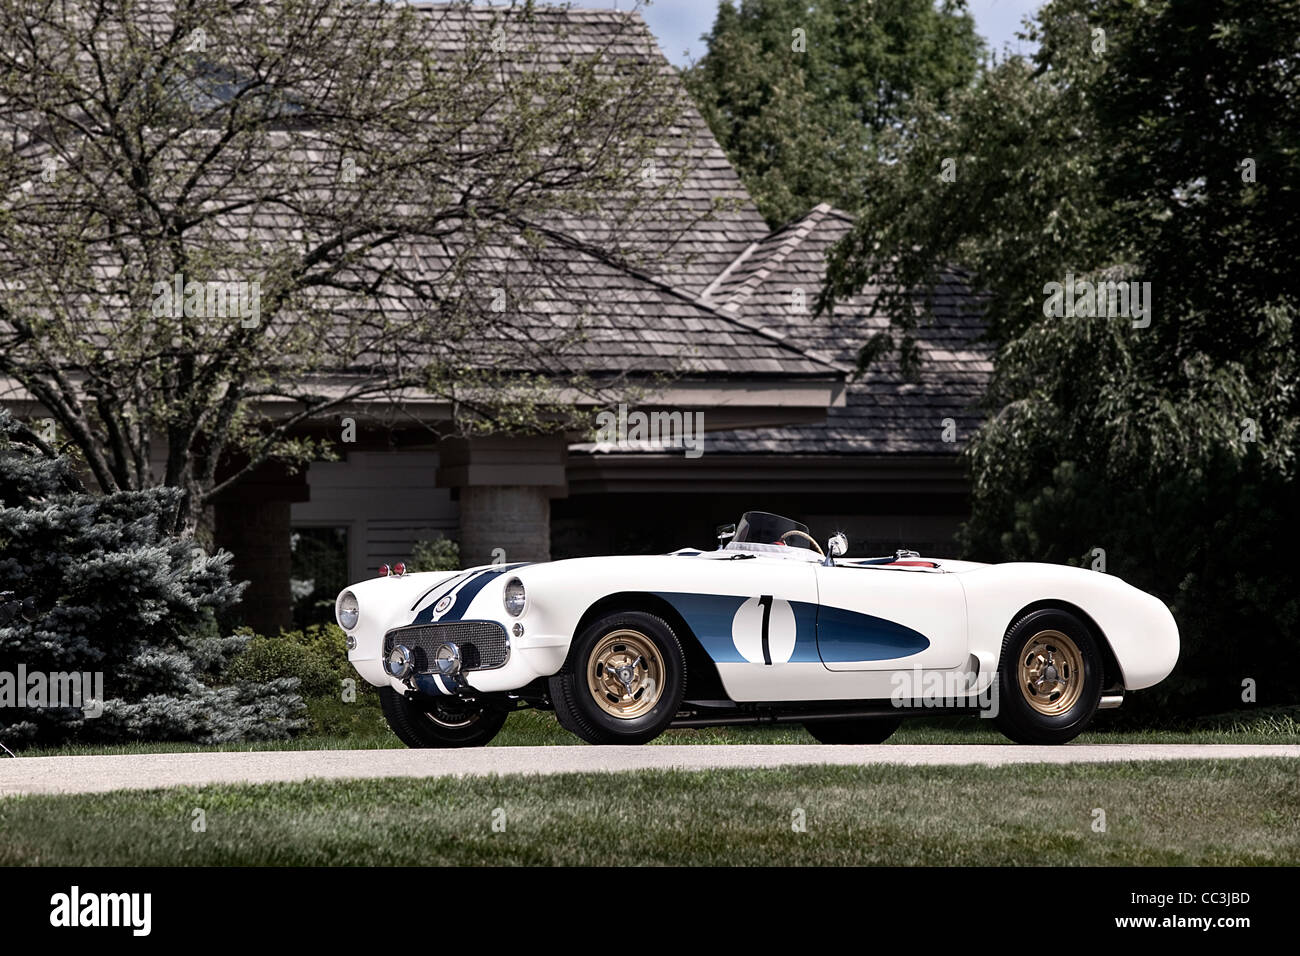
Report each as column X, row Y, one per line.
column 799, row 94
column 93, row 585
column 1152, row 143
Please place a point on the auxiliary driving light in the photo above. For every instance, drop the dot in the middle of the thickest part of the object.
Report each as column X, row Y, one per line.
column 446, row 659
column 400, row 663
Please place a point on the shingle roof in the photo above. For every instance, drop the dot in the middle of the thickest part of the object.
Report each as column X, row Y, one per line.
column 884, row 412
column 719, row 301
column 733, row 265
column 632, row 321
column 656, row 322
column 719, row 217
column 656, row 328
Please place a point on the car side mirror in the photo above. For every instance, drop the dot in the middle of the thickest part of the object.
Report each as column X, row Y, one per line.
column 725, row 533
column 838, row 545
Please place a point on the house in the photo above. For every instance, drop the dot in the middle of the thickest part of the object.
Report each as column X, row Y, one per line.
column 788, row 427
column 723, row 333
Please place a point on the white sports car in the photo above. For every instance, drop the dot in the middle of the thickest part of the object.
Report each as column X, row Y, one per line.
column 767, row 628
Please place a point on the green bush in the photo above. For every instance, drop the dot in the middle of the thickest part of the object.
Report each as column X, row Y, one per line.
column 437, row 554
column 360, row 721
column 99, row 585
column 328, row 642
column 316, row 657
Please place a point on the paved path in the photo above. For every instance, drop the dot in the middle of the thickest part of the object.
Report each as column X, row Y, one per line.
column 147, row 771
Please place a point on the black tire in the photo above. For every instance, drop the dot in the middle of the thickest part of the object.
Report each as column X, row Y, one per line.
column 858, row 730
column 1020, row 720
column 451, row 722
column 576, row 706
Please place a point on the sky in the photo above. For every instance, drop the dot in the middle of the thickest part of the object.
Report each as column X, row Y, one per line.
column 678, row 24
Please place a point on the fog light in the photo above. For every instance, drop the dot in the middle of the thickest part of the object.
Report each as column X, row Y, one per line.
column 352, row 642
column 517, row 630
column 446, row 659
column 399, row 663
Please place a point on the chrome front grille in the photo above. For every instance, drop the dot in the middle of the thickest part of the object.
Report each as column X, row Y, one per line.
column 483, row 644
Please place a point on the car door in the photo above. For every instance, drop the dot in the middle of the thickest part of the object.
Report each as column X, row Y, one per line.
column 888, row 618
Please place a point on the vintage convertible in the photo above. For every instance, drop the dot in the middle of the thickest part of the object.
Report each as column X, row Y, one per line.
column 766, row 628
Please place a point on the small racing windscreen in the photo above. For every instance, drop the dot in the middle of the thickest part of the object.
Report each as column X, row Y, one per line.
column 762, row 527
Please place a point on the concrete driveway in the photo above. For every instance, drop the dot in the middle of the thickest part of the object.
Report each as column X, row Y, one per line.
column 96, row 774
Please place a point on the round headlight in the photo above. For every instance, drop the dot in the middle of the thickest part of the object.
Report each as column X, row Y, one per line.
column 347, row 610
column 513, row 597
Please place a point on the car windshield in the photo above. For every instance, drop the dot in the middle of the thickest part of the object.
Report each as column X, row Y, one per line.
column 762, row 527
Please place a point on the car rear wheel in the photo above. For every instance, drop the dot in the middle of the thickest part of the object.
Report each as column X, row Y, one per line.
column 1049, row 678
column 859, row 730
column 444, row 722
column 623, row 681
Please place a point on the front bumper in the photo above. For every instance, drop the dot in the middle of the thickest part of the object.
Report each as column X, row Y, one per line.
column 493, row 659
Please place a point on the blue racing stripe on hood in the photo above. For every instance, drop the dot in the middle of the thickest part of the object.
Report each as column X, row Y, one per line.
column 441, row 588
column 468, row 591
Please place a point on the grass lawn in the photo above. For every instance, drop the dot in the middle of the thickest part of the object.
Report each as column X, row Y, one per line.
column 361, row 726
column 1205, row 812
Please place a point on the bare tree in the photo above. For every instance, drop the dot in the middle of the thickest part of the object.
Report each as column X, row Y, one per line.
column 224, row 219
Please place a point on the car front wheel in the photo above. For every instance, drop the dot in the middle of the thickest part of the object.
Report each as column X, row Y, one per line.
column 1049, row 678
column 441, row 722
column 623, row 680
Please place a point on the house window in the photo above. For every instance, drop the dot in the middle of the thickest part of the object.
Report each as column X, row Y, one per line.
column 318, row 572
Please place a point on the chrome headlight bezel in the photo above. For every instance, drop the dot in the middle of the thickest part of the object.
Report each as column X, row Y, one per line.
column 351, row 612
column 514, row 598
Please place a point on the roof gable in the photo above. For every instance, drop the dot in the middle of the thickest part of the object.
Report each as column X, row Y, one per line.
column 774, row 284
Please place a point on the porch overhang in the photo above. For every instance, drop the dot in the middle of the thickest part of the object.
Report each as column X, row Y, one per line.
column 666, row 473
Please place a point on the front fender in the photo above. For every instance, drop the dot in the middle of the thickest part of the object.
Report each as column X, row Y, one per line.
column 384, row 603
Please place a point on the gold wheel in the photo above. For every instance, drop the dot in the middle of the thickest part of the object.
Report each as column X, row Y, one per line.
column 625, row 674
column 1051, row 673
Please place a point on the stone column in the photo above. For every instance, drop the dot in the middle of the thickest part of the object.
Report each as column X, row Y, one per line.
column 504, row 486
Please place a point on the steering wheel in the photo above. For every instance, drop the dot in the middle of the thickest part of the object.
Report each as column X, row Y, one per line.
column 804, row 534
